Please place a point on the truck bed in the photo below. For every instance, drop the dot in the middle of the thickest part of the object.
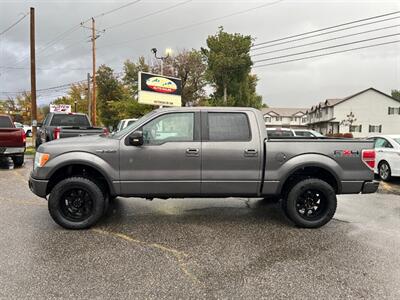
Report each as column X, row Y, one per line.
column 343, row 157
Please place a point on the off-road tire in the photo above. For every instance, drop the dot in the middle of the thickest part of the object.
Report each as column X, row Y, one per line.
column 295, row 197
column 94, row 192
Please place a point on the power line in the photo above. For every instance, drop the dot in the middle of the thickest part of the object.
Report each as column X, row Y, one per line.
column 14, row 24
column 67, row 85
column 148, row 15
column 43, row 69
column 326, row 40
column 197, row 24
column 326, row 54
column 326, row 28
column 329, row 47
column 116, row 9
column 324, row 33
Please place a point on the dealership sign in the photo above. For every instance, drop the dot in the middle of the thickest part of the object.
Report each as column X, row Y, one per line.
column 60, row 108
column 159, row 90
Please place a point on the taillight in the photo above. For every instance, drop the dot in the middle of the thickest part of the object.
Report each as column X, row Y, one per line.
column 368, row 157
column 23, row 137
column 105, row 131
column 56, row 133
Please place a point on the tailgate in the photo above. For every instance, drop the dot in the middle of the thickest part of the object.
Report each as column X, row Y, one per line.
column 72, row 132
column 11, row 137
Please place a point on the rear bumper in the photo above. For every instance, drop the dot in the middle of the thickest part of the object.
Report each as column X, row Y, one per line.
column 370, row 187
column 38, row 187
column 11, row 151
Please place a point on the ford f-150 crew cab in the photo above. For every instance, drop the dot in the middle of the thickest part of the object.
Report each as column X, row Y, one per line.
column 12, row 141
column 200, row 152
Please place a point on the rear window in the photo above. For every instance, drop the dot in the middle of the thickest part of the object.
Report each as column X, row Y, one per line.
column 228, row 127
column 69, row 120
column 279, row 133
column 5, row 122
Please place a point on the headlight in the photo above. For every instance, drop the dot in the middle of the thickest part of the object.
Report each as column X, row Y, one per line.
column 40, row 159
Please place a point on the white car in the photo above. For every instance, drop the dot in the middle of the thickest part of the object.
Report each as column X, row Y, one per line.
column 387, row 149
column 125, row 123
column 288, row 132
column 27, row 129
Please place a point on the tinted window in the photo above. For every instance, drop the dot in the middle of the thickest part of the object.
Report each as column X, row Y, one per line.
column 70, row 120
column 382, row 143
column 228, row 127
column 279, row 133
column 5, row 122
column 176, row 127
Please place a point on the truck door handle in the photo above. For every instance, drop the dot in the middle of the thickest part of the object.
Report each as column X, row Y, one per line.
column 192, row 152
column 250, row 152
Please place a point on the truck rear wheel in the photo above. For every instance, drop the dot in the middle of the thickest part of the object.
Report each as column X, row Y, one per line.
column 76, row 203
column 311, row 203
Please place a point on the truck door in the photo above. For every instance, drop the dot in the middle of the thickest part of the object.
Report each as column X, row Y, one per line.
column 169, row 161
column 231, row 154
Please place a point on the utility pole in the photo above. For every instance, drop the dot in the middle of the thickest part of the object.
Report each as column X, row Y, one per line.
column 33, row 75
column 88, row 97
column 94, row 72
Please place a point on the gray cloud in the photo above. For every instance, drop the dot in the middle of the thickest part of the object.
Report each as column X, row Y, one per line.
column 301, row 83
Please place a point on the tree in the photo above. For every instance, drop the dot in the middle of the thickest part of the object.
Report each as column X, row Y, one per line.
column 396, row 94
column 131, row 70
column 109, row 90
column 228, row 69
column 77, row 93
column 349, row 120
column 189, row 66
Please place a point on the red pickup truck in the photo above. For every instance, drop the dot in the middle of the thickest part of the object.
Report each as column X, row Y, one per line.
column 12, row 141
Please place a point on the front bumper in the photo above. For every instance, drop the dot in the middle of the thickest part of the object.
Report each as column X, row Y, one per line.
column 38, row 186
column 370, row 187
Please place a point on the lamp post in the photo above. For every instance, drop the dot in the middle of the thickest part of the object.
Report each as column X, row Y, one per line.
column 168, row 51
column 75, row 103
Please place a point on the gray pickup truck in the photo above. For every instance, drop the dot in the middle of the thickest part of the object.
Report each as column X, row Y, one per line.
column 59, row 125
column 200, row 152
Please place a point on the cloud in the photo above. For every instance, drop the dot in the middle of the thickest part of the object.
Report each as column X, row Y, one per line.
column 301, row 83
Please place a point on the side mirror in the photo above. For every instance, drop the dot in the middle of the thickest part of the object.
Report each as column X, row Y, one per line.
column 136, row 138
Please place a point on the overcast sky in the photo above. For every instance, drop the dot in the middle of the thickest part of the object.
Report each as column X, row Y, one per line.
column 294, row 84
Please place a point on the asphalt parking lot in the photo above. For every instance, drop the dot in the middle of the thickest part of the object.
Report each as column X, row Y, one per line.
column 198, row 248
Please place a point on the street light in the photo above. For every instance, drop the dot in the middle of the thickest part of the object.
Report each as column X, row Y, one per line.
column 168, row 52
column 75, row 102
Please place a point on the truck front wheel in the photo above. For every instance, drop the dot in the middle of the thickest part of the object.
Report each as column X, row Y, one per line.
column 311, row 203
column 76, row 203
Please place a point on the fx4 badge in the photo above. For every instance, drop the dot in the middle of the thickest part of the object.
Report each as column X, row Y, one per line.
column 346, row 153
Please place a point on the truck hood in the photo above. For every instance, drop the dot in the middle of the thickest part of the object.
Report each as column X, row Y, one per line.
column 92, row 144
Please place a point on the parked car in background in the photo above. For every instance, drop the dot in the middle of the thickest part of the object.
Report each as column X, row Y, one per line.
column 125, row 123
column 27, row 128
column 65, row 125
column 12, row 141
column 287, row 132
column 200, row 152
column 387, row 149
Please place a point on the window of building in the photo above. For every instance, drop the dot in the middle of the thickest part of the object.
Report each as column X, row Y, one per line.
column 267, row 119
column 278, row 119
column 393, row 110
column 355, row 128
column 375, row 128
column 228, row 127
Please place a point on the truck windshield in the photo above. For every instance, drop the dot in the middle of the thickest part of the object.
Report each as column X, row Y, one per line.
column 70, row 120
column 5, row 122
